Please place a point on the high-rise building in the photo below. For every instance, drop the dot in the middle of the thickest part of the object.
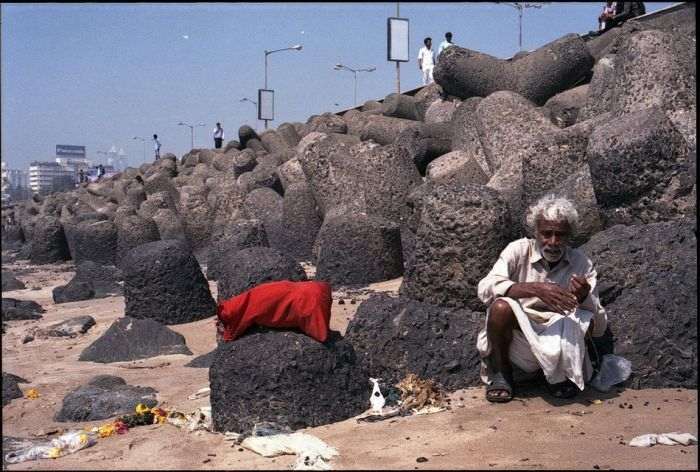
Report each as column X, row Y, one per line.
column 15, row 184
column 47, row 177
column 71, row 156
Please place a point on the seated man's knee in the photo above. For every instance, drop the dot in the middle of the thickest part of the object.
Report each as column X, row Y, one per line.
column 501, row 316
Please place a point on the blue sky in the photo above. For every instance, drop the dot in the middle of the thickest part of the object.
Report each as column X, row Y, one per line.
column 99, row 74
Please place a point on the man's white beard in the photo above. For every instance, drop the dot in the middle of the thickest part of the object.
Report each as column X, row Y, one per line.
column 550, row 257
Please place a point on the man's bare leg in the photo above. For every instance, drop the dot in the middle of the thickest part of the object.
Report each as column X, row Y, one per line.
column 499, row 330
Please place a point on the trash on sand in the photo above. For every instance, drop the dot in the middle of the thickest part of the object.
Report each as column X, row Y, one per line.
column 267, row 428
column 202, row 392
column 200, row 419
column 667, row 439
column 376, row 399
column 421, row 396
column 597, row 402
column 232, row 436
column 389, row 414
column 312, row 453
column 65, row 444
column 32, row 394
column 613, row 370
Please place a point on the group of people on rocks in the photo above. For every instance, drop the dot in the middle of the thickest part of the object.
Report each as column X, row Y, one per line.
column 427, row 57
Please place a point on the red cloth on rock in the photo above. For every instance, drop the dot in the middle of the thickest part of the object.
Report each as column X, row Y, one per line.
column 283, row 304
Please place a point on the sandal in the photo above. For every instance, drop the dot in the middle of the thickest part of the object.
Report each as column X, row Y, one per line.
column 565, row 389
column 499, row 383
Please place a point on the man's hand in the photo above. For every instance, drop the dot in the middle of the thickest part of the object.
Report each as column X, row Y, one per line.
column 579, row 287
column 556, row 298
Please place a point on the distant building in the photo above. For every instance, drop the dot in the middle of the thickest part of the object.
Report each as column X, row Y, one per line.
column 15, row 184
column 47, row 177
column 71, row 156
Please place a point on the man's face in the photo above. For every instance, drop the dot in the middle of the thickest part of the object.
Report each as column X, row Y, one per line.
column 428, row 43
column 552, row 237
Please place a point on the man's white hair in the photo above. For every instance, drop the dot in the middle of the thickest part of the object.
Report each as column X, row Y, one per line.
column 552, row 208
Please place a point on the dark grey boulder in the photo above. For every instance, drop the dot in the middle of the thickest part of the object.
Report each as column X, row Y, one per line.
column 12, row 237
column 13, row 309
column 104, row 280
column 458, row 167
column 10, row 389
column 265, row 176
column 69, row 328
column 244, row 162
column 393, row 337
column 73, row 291
column 563, row 108
column 289, row 134
column 204, row 361
column 239, row 235
column 266, row 205
column 551, row 69
column 633, row 162
column 169, row 225
column 163, row 282
column 300, row 221
column 401, row 106
column 273, row 141
column 255, row 265
column 461, row 233
column 129, row 339
column 327, row 123
column 49, row 242
column 94, row 241
column 425, row 143
column 647, row 281
column 196, row 215
column 133, row 231
column 10, row 282
column 246, row 133
column 358, row 249
column 156, row 201
column 305, row 383
column 104, row 396
column 385, row 129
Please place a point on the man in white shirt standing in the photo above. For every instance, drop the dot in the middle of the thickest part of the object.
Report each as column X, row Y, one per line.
column 218, row 136
column 445, row 44
column 426, row 61
column 156, row 146
column 543, row 301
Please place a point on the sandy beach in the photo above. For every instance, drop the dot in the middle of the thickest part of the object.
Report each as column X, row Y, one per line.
column 535, row 431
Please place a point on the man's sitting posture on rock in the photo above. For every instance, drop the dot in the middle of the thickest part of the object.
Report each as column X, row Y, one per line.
column 542, row 300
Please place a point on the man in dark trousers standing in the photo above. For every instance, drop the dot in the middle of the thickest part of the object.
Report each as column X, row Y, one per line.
column 218, row 136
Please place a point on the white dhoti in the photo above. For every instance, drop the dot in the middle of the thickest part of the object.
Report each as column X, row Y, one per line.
column 554, row 343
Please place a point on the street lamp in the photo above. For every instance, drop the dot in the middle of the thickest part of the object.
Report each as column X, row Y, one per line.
column 143, row 140
column 191, row 127
column 255, row 104
column 520, row 6
column 296, row 47
column 354, row 71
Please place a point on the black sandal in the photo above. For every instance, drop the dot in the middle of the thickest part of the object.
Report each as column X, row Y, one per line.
column 565, row 389
column 499, row 383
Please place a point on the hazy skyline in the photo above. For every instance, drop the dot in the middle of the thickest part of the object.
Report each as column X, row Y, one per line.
column 99, row 74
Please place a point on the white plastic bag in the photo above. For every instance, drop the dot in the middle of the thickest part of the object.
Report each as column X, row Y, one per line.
column 376, row 399
column 613, row 370
column 67, row 443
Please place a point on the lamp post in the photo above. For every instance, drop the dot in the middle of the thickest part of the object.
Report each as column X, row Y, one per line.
column 354, row 71
column 143, row 140
column 191, row 127
column 296, row 47
column 520, row 6
column 255, row 104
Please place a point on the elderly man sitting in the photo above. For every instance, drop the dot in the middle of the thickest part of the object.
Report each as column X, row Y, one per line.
column 542, row 300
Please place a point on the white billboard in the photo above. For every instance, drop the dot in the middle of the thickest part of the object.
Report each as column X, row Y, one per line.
column 397, row 39
column 266, row 104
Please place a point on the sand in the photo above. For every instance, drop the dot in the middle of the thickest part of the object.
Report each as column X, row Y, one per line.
column 535, row 431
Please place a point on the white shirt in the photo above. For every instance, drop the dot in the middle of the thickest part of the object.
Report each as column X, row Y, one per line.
column 427, row 57
column 521, row 261
column 156, row 145
column 443, row 45
column 219, row 133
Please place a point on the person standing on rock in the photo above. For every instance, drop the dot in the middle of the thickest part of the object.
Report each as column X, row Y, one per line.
column 156, row 146
column 445, row 44
column 542, row 301
column 426, row 61
column 218, row 136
